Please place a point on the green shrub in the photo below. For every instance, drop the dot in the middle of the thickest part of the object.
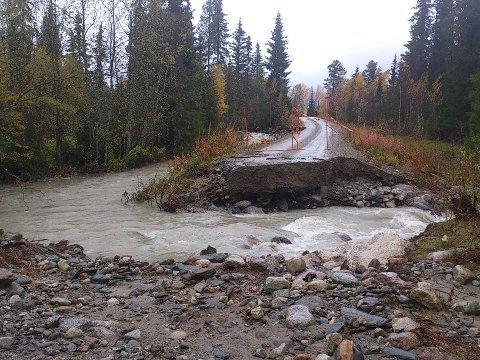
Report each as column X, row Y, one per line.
column 136, row 157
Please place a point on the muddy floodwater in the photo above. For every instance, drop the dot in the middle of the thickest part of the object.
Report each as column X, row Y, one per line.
column 88, row 210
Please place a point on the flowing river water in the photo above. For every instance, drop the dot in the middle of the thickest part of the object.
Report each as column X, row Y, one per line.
column 88, row 210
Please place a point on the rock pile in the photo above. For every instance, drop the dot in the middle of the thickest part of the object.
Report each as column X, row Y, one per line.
column 220, row 306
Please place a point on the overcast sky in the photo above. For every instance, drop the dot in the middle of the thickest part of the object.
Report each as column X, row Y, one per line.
column 319, row 31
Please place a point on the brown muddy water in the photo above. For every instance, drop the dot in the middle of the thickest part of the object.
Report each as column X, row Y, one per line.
column 88, row 210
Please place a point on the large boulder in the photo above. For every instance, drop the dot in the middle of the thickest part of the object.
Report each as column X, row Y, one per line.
column 462, row 274
column 276, row 283
column 296, row 265
column 298, row 316
column 369, row 320
column 344, row 278
column 468, row 307
column 425, row 294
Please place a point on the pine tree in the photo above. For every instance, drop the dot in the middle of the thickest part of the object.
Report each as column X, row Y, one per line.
column 336, row 76
column 371, row 72
column 278, row 61
column 312, row 108
column 417, row 55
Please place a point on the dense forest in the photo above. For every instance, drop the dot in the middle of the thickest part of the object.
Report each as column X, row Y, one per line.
column 432, row 90
column 105, row 85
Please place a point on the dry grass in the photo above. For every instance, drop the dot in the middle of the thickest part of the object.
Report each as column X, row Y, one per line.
column 433, row 163
column 397, row 152
column 216, row 144
column 212, row 146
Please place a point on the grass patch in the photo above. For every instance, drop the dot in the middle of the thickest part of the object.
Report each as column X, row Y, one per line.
column 452, row 233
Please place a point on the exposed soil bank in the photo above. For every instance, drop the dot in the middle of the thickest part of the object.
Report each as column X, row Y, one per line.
column 296, row 185
column 301, row 177
column 55, row 302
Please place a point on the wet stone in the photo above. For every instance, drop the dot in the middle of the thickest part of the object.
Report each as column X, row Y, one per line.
column 298, row 316
column 468, row 307
column 281, row 240
column 6, row 342
column 99, row 279
column 296, row 265
column 367, row 319
column 425, row 294
column 134, row 335
column 344, row 278
column 399, row 353
column 75, row 321
column 276, row 283
column 404, row 324
column 462, row 275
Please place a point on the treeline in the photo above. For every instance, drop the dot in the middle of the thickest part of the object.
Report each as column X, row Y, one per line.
column 98, row 85
column 431, row 90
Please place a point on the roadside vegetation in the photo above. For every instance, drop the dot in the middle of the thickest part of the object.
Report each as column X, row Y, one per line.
column 212, row 147
column 439, row 166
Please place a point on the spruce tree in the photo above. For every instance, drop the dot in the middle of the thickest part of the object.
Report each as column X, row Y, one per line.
column 213, row 33
column 466, row 64
column 77, row 45
column 392, row 81
column 258, row 69
column 278, row 60
column 443, row 38
column 356, row 73
column 417, row 55
column 49, row 38
column 50, row 42
column 184, row 117
column 100, row 57
column 239, row 59
column 312, row 108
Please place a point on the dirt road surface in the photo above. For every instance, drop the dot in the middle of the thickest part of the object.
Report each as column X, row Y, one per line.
column 318, row 141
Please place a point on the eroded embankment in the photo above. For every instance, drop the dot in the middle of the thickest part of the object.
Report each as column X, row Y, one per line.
column 298, row 185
